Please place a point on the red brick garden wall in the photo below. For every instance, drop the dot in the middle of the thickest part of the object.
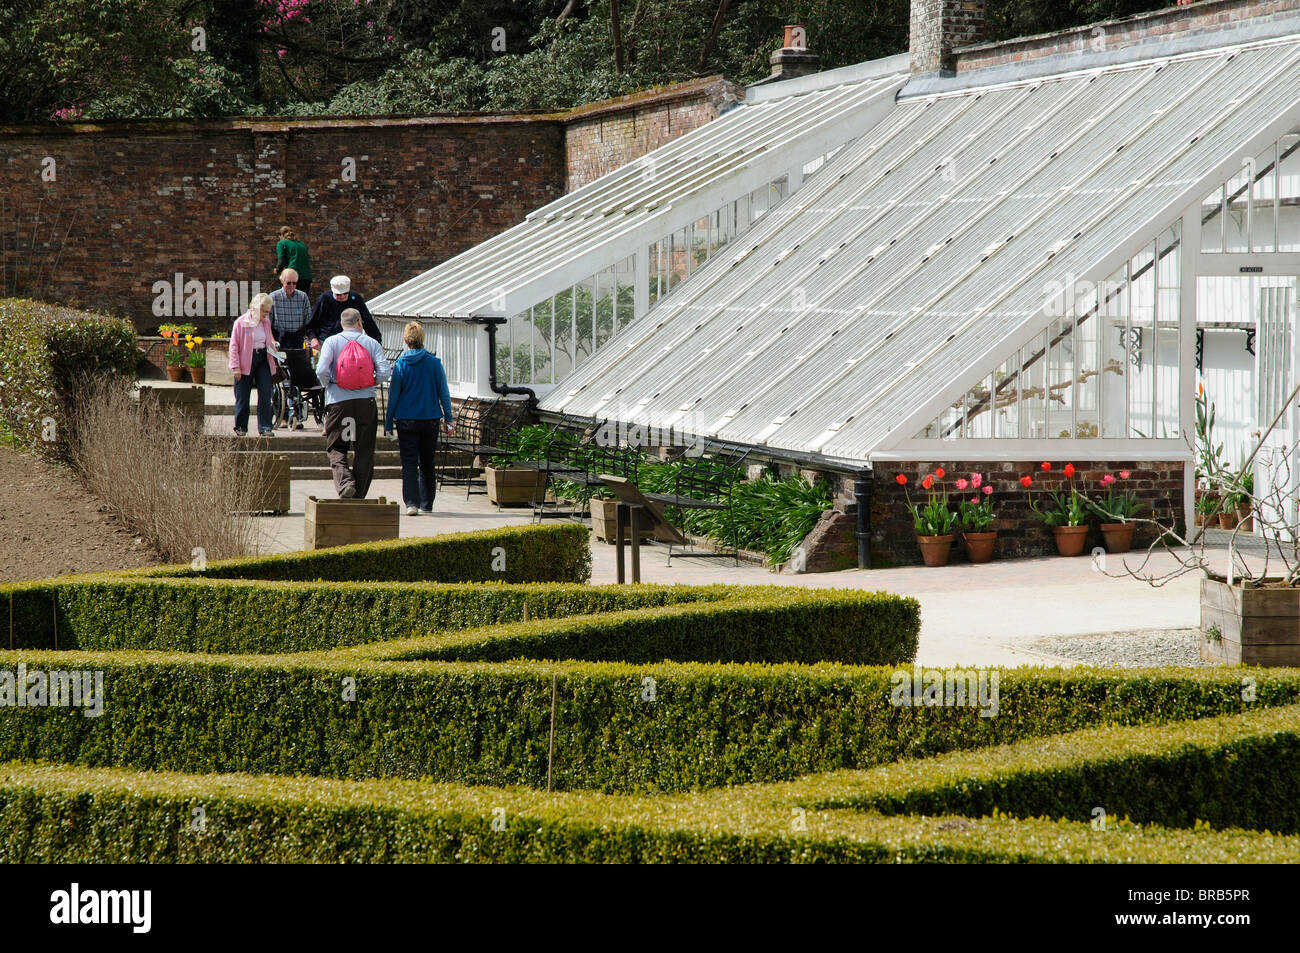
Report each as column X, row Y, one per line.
column 603, row 136
column 131, row 204
column 1171, row 23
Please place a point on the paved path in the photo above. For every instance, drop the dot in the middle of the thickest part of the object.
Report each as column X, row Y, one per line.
column 976, row 615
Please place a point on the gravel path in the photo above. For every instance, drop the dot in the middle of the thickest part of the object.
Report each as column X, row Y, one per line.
column 1126, row 649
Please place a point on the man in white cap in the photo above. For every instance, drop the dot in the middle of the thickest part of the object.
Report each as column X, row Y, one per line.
column 329, row 309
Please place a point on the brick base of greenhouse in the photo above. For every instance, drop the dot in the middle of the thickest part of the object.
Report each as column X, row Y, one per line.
column 1158, row 485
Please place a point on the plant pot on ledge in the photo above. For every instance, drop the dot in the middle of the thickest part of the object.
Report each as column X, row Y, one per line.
column 175, row 373
column 1070, row 540
column 1245, row 518
column 198, row 374
column 1118, row 537
column 935, row 549
column 513, row 486
column 979, row 546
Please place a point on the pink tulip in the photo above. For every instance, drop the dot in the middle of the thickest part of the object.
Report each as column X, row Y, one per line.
column 1123, row 474
column 962, row 484
column 988, row 490
column 1107, row 480
column 974, row 500
column 976, row 479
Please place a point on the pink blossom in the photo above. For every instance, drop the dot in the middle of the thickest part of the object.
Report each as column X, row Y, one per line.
column 974, row 499
column 1107, row 480
column 962, row 484
column 1123, row 474
column 988, row 490
column 976, row 479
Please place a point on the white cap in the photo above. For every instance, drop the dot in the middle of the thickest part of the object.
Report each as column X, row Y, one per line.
column 340, row 284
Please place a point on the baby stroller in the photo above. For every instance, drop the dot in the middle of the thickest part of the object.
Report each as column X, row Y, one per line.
column 300, row 393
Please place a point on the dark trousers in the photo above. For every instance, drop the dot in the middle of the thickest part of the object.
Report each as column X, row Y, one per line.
column 304, row 285
column 259, row 373
column 355, row 419
column 416, row 442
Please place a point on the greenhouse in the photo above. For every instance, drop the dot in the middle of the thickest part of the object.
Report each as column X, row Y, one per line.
column 998, row 266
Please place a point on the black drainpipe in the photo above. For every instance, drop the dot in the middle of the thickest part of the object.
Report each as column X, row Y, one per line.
column 863, row 484
column 491, row 323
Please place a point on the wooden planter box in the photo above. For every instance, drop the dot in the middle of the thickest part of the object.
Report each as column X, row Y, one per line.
column 1249, row 626
column 187, row 401
column 514, row 486
column 339, row 522
column 604, row 517
column 268, row 472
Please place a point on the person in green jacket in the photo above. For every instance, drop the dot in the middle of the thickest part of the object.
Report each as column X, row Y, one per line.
column 291, row 253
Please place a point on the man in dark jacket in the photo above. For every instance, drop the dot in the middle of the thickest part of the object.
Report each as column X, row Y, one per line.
column 419, row 404
column 329, row 309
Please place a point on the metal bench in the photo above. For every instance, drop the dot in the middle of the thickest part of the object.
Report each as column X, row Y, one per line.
column 480, row 429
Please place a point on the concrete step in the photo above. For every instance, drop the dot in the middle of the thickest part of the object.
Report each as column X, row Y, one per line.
column 314, row 458
column 323, row 473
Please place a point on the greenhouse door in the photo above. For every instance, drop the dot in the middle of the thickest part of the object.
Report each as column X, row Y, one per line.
column 1277, row 465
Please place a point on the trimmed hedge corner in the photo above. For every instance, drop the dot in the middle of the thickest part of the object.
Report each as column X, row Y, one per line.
column 509, row 554
column 44, row 350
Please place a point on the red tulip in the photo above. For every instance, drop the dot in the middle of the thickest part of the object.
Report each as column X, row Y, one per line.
column 1026, row 480
column 962, row 484
column 900, row 480
column 939, row 472
column 974, row 500
column 988, row 490
column 928, row 482
column 1069, row 470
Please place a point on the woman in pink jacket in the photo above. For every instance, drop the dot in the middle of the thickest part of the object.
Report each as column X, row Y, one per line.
column 251, row 361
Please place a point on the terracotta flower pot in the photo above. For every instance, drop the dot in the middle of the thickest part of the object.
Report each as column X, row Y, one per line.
column 1227, row 520
column 1070, row 539
column 979, row 546
column 935, row 549
column 1118, row 536
column 176, row 373
column 1245, row 519
column 198, row 374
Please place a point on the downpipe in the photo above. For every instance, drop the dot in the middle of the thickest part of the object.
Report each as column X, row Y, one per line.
column 863, row 485
column 491, row 324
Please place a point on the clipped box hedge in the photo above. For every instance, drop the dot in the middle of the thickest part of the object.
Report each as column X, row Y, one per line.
column 618, row 727
column 130, row 817
column 44, row 350
column 558, row 553
column 1232, row 771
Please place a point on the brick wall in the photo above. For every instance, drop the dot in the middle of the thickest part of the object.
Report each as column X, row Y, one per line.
column 131, row 203
column 937, row 27
column 1159, row 485
column 603, row 136
column 832, row 544
column 1172, row 23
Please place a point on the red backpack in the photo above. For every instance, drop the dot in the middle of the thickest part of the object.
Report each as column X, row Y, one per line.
column 355, row 370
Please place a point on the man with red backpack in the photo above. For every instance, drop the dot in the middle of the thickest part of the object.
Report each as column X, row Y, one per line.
column 351, row 364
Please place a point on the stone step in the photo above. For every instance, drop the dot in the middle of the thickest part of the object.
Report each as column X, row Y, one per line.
column 323, row 473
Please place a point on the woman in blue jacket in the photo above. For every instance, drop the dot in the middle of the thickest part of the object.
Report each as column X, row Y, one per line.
column 419, row 403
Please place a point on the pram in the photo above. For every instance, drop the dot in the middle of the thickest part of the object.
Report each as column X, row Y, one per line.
column 300, row 393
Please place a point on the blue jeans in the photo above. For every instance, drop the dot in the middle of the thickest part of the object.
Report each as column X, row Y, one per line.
column 416, row 441
column 259, row 372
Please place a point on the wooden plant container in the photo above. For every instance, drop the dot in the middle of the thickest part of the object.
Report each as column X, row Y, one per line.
column 604, row 521
column 339, row 522
column 1250, row 626
column 514, row 486
column 187, row 401
column 268, row 472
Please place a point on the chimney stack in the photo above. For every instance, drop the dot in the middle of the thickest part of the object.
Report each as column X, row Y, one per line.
column 940, row 26
column 794, row 58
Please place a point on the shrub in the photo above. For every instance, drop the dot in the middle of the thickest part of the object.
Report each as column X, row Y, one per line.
column 508, row 554
column 1235, row 770
column 46, row 351
column 134, row 817
column 180, row 506
column 693, row 726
